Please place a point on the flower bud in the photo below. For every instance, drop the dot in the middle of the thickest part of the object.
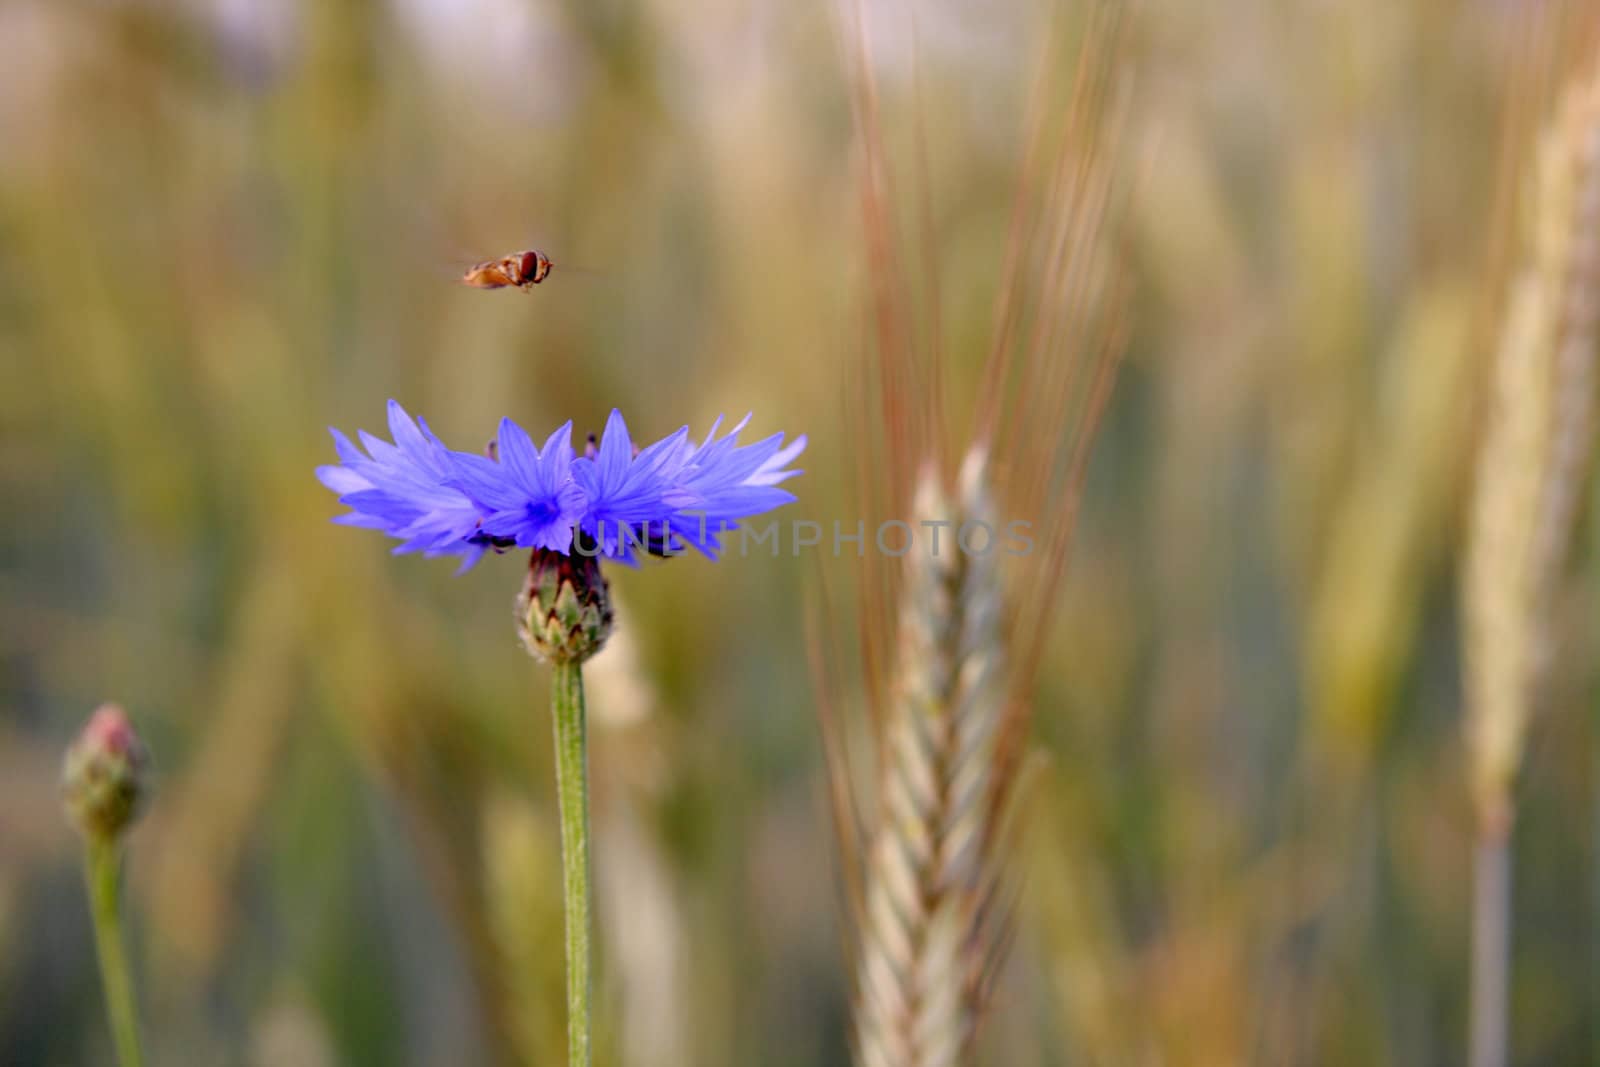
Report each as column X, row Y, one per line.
column 103, row 776
column 564, row 610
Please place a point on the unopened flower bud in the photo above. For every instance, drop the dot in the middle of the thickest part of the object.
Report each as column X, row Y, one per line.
column 564, row 612
column 103, row 775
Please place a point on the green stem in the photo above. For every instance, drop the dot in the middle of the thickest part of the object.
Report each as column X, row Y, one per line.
column 572, row 786
column 1491, row 945
column 103, row 869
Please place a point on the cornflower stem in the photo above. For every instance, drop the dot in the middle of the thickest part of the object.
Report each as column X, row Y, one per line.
column 572, row 787
column 102, row 867
column 1491, row 944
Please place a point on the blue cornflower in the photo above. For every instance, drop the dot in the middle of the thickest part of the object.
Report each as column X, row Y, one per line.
column 625, row 491
column 608, row 503
column 407, row 490
column 720, row 482
column 673, row 492
column 533, row 501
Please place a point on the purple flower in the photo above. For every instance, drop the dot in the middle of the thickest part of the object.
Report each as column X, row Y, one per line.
column 406, row 489
column 625, row 491
column 531, row 498
column 720, row 482
column 610, row 503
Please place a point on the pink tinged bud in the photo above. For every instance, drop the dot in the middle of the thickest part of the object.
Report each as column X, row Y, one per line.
column 104, row 774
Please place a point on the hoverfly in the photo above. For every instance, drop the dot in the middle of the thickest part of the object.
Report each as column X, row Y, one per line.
column 523, row 270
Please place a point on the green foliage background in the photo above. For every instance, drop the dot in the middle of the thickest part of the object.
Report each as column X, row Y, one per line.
column 225, row 227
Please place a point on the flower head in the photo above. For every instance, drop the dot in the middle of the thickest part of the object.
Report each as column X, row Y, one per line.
column 610, row 503
column 720, row 482
column 625, row 491
column 407, row 489
column 104, row 773
column 535, row 502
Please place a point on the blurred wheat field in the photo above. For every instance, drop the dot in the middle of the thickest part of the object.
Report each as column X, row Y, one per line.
column 1249, row 827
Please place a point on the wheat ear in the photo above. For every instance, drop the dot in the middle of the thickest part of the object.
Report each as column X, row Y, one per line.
column 1538, row 447
column 927, row 877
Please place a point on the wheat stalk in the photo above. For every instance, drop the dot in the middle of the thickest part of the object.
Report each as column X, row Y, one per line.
column 950, row 643
column 1537, row 450
column 928, row 875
